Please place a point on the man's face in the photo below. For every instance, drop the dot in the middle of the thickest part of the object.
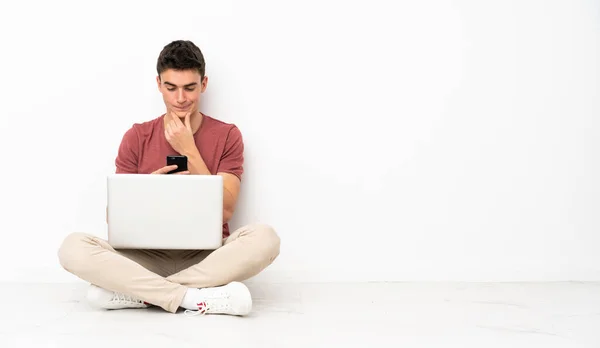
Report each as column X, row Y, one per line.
column 181, row 90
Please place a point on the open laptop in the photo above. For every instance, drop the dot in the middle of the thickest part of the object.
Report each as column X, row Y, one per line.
column 148, row 211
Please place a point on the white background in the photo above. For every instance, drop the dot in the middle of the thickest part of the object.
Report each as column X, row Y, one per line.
column 414, row 140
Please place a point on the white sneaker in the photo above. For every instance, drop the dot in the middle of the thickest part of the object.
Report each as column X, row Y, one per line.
column 233, row 299
column 101, row 298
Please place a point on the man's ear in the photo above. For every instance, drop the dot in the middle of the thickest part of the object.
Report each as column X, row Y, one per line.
column 158, row 82
column 204, row 83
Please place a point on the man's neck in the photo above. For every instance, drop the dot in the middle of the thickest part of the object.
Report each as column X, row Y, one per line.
column 196, row 121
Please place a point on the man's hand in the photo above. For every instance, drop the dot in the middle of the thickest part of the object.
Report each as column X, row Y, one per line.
column 166, row 169
column 181, row 138
column 179, row 134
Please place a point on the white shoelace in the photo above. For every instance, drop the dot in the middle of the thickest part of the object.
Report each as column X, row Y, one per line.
column 202, row 309
column 126, row 299
column 219, row 302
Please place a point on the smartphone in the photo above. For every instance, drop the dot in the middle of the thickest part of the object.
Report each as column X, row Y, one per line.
column 180, row 161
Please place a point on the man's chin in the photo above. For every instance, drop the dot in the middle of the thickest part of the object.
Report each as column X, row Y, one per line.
column 179, row 113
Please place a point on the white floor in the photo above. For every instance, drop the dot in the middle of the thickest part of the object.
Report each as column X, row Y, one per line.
column 319, row 315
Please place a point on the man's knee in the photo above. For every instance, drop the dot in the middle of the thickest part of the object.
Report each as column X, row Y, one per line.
column 71, row 250
column 269, row 240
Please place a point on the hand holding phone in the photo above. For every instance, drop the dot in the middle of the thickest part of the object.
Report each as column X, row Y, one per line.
column 179, row 161
column 167, row 169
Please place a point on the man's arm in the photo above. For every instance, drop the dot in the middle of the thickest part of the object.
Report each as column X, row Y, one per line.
column 127, row 154
column 231, row 183
column 196, row 163
column 179, row 135
column 231, row 189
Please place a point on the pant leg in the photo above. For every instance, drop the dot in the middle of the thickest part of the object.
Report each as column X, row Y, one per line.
column 94, row 260
column 245, row 253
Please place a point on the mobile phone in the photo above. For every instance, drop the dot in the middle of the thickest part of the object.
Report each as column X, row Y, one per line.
column 180, row 161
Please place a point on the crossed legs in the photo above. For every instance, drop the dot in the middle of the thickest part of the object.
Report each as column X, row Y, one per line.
column 162, row 278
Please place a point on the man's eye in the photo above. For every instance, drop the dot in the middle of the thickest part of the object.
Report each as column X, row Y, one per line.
column 189, row 89
column 171, row 89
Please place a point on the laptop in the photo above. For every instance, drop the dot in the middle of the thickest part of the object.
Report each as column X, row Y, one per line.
column 172, row 212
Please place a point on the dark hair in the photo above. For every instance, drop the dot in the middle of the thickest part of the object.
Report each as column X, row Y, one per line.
column 181, row 55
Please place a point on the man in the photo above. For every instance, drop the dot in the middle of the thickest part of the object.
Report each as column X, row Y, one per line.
column 195, row 280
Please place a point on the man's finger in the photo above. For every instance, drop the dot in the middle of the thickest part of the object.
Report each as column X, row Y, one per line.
column 187, row 121
column 166, row 169
column 185, row 172
column 177, row 120
column 174, row 117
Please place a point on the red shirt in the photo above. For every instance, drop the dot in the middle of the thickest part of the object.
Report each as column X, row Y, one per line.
column 144, row 149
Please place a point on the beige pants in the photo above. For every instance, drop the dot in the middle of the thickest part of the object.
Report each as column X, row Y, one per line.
column 162, row 277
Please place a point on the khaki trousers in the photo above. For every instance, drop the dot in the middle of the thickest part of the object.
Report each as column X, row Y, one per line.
column 162, row 277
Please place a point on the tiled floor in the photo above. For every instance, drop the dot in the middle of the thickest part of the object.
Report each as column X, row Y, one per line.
column 319, row 315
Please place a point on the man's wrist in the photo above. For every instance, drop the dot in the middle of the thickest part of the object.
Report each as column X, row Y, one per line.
column 196, row 164
column 191, row 153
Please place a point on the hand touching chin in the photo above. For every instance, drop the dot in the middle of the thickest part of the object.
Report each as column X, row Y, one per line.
column 179, row 133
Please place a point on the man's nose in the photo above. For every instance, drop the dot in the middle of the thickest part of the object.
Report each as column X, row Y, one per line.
column 180, row 97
